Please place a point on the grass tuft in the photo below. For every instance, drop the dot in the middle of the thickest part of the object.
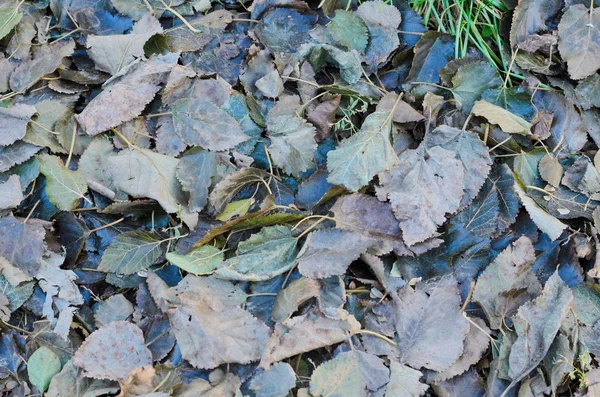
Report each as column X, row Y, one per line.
column 471, row 22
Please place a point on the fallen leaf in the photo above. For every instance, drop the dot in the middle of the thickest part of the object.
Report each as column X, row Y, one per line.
column 536, row 324
column 508, row 282
column 263, row 256
column 112, row 352
column 427, row 184
column 365, row 154
column 114, row 53
column 201, row 123
column 131, row 252
column 126, row 98
column 578, row 40
column 507, row 121
column 42, row 365
column 48, row 59
column 429, row 324
column 329, row 252
column 404, row 382
column 292, row 143
column 65, row 188
column 13, row 123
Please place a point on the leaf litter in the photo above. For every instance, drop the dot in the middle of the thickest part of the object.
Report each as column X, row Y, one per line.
column 276, row 198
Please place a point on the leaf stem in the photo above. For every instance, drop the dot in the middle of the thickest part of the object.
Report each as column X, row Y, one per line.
column 106, row 226
column 72, row 145
column 149, row 116
column 118, row 133
column 375, row 334
column 180, row 17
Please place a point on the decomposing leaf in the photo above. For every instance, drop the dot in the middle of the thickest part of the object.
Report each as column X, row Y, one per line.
column 113, row 351
column 425, row 186
column 329, row 252
column 131, row 252
column 429, row 324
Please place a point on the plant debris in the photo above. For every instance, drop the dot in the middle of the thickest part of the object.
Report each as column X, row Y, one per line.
column 276, row 198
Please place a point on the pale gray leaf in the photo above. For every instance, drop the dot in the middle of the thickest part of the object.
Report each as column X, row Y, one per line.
column 404, row 382
column 423, row 188
column 196, row 171
column 329, row 252
column 113, row 351
column 13, row 122
column 125, row 99
column 202, row 123
column 292, row 143
column 430, row 326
